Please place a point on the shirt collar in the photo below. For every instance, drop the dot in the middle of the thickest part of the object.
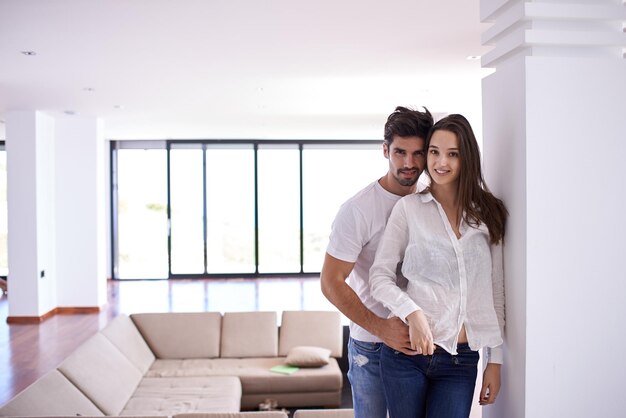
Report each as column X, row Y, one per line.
column 426, row 197
column 386, row 192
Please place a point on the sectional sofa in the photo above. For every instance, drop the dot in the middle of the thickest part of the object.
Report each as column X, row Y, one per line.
column 168, row 364
column 300, row 413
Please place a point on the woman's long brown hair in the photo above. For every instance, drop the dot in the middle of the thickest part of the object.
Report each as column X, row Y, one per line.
column 479, row 205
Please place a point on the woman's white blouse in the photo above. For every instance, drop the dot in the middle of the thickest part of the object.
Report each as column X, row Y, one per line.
column 454, row 281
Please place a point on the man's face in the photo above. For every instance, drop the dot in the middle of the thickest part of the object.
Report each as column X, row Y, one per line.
column 407, row 159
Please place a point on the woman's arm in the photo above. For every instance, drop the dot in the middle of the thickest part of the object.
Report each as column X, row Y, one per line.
column 494, row 354
column 333, row 278
column 390, row 252
column 383, row 280
column 491, row 384
column 491, row 375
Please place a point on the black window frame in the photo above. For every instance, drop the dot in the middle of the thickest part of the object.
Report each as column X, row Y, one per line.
column 202, row 144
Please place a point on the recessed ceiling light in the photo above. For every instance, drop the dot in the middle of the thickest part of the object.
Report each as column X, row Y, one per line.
column 118, row 107
column 88, row 89
column 29, row 53
column 69, row 112
column 473, row 57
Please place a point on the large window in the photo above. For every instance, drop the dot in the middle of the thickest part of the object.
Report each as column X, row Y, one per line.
column 279, row 209
column 231, row 208
column 330, row 176
column 141, row 214
column 187, row 210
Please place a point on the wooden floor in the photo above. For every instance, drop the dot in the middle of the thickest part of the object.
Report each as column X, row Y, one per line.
column 27, row 352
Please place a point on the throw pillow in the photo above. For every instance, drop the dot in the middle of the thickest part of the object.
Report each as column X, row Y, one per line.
column 306, row 356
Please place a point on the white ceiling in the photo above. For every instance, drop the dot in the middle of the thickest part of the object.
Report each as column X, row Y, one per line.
column 240, row 68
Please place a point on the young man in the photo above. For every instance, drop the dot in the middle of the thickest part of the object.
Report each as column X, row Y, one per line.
column 355, row 235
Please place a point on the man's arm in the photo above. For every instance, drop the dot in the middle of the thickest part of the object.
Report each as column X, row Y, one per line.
column 392, row 331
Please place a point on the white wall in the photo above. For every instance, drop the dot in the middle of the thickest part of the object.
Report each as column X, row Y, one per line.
column 46, row 228
column 80, row 200
column 576, row 203
column 56, row 208
column 554, row 147
column 504, row 160
column 30, row 196
column 554, row 143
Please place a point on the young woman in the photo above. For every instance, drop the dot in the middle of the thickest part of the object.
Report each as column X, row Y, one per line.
column 449, row 241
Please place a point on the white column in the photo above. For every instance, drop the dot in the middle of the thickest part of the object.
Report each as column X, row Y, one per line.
column 554, row 144
column 80, row 212
column 56, row 206
column 30, row 198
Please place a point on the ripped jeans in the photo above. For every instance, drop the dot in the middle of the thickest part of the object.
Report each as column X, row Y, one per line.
column 368, row 395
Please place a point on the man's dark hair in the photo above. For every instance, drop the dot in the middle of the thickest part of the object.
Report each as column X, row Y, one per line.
column 405, row 122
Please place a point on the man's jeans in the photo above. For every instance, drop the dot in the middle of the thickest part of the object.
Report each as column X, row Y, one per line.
column 368, row 396
column 437, row 386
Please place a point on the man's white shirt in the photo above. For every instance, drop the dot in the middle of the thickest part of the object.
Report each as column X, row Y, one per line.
column 356, row 233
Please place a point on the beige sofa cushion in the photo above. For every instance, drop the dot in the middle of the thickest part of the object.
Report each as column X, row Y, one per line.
column 102, row 373
column 52, row 394
column 312, row 328
column 250, row 414
column 181, row 335
column 170, row 396
column 255, row 374
column 257, row 378
column 324, row 413
column 249, row 334
column 123, row 333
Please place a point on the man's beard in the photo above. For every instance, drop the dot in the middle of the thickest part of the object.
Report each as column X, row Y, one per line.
column 407, row 182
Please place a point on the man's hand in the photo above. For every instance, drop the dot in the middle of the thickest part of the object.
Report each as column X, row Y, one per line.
column 491, row 384
column 395, row 334
column 392, row 331
column 420, row 333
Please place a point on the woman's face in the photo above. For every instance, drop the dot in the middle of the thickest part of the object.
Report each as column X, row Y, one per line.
column 444, row 160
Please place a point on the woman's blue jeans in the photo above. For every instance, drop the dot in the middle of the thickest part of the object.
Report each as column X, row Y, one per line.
column 436, row 386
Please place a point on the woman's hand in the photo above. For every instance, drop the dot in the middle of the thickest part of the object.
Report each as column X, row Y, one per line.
column 491, row 384
column 420, row 334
